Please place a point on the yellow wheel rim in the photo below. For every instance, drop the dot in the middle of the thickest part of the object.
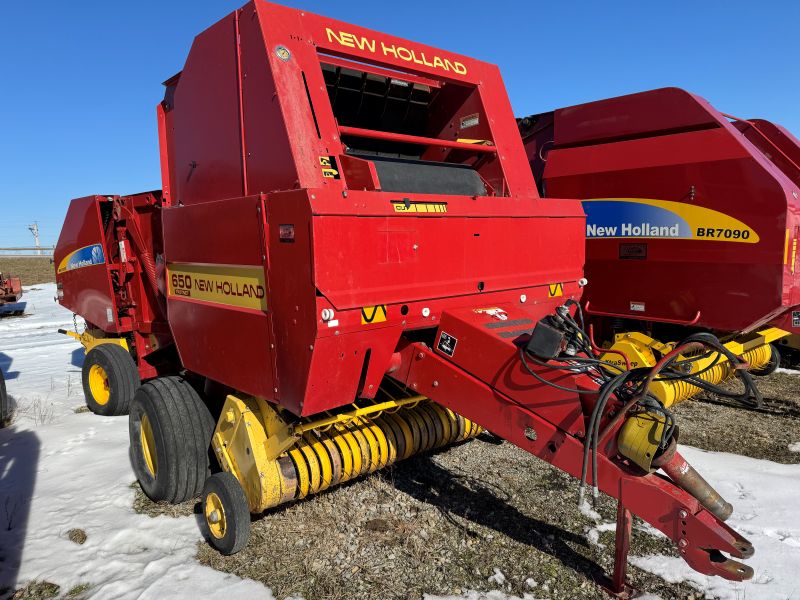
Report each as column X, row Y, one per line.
column 215, row 516
column 98, row 384
column 148, row 446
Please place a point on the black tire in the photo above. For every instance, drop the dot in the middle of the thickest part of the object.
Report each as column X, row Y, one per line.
column 121, row 376
column 772, row 365
column 235, row 518
column 180, row 429
column 4, row 408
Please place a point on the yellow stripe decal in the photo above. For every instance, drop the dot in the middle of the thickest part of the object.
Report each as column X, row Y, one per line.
column 786, row 249
column 420, row 207
column 229, row 285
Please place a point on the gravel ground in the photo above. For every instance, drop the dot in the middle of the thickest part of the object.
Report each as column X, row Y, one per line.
column 447, row 522
column 714, row 424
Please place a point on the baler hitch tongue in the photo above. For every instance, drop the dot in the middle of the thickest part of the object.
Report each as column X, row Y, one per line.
column 700, row 553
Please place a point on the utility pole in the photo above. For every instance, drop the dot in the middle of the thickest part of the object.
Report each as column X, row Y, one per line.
column 34, row 229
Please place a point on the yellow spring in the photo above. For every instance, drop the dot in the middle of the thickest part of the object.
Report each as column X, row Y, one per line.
column 672, row 392
column 365, row 444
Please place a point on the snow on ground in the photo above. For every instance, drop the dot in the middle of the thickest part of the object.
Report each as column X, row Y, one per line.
column 61, row 470
column 765, row 497
column 788, row 371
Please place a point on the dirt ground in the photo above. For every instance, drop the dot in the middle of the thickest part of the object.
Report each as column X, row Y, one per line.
column 442, row 523
column 30, row 270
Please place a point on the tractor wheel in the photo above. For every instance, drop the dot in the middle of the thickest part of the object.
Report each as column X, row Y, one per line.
column 110, row 378
column 226, row 522
column 4, row 408
column 772, row 365
column 170, row 434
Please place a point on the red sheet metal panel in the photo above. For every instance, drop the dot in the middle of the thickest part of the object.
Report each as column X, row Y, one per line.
column 80, row 259
column 217, row 292
column 684, row 214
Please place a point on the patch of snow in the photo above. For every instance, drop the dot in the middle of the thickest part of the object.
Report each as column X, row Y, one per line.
column 61, row 470
column 764, row 495
column 498, row 577
column 787, row 371
column 794, row 447
column 587, row 511
column 593, row 534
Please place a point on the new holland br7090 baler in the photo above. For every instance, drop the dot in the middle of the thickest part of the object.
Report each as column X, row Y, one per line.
column 693, row 222
column 348, row 254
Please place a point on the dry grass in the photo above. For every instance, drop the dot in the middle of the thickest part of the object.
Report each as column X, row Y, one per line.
column 37, row 590
column 31, row 270
column 77, row 536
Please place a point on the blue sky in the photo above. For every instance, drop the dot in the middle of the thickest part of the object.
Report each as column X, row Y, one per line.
column 79, row 81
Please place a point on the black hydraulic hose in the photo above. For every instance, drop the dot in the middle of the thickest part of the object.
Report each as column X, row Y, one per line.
column 550, row 383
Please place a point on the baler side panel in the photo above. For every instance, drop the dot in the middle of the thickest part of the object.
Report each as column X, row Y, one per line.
column 665, row 110
column 268, row 151
column 206, row 159
column 736, row 285
column 364, row 261
column 86, row 283
column 216, row 336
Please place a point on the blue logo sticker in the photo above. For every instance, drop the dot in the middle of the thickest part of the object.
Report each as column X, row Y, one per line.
column 654, row 219
column 82, row 257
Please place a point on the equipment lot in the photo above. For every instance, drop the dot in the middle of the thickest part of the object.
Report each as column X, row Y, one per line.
column 436, row 524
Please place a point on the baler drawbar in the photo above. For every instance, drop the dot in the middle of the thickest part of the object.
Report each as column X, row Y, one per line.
column 349, row 263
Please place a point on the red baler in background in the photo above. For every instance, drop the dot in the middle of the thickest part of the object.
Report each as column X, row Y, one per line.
column 693, row 221
column 348, row 254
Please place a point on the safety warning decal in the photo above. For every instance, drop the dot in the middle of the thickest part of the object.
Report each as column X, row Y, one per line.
column 447, row 344
column 496, row 312
column 330, row 169
column 652, row 219
column 229, row 285
column 373, row 314
column 796, row 318
column 555, row 290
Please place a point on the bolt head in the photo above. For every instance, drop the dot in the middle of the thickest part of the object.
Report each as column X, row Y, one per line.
column 435, row 383
column 523, row 298
column 683, row 514
column 683, row 543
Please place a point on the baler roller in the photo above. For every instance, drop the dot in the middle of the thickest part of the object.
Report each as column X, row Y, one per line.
column 713, row 368
column 333, row 449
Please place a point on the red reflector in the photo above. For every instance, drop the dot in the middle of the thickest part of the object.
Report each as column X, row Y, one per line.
column 286, row 233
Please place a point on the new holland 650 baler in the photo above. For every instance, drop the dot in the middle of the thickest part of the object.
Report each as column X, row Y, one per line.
column 349, row 263
column 693, row 222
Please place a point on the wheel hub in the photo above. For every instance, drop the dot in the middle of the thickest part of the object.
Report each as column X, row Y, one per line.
column 98, row 384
